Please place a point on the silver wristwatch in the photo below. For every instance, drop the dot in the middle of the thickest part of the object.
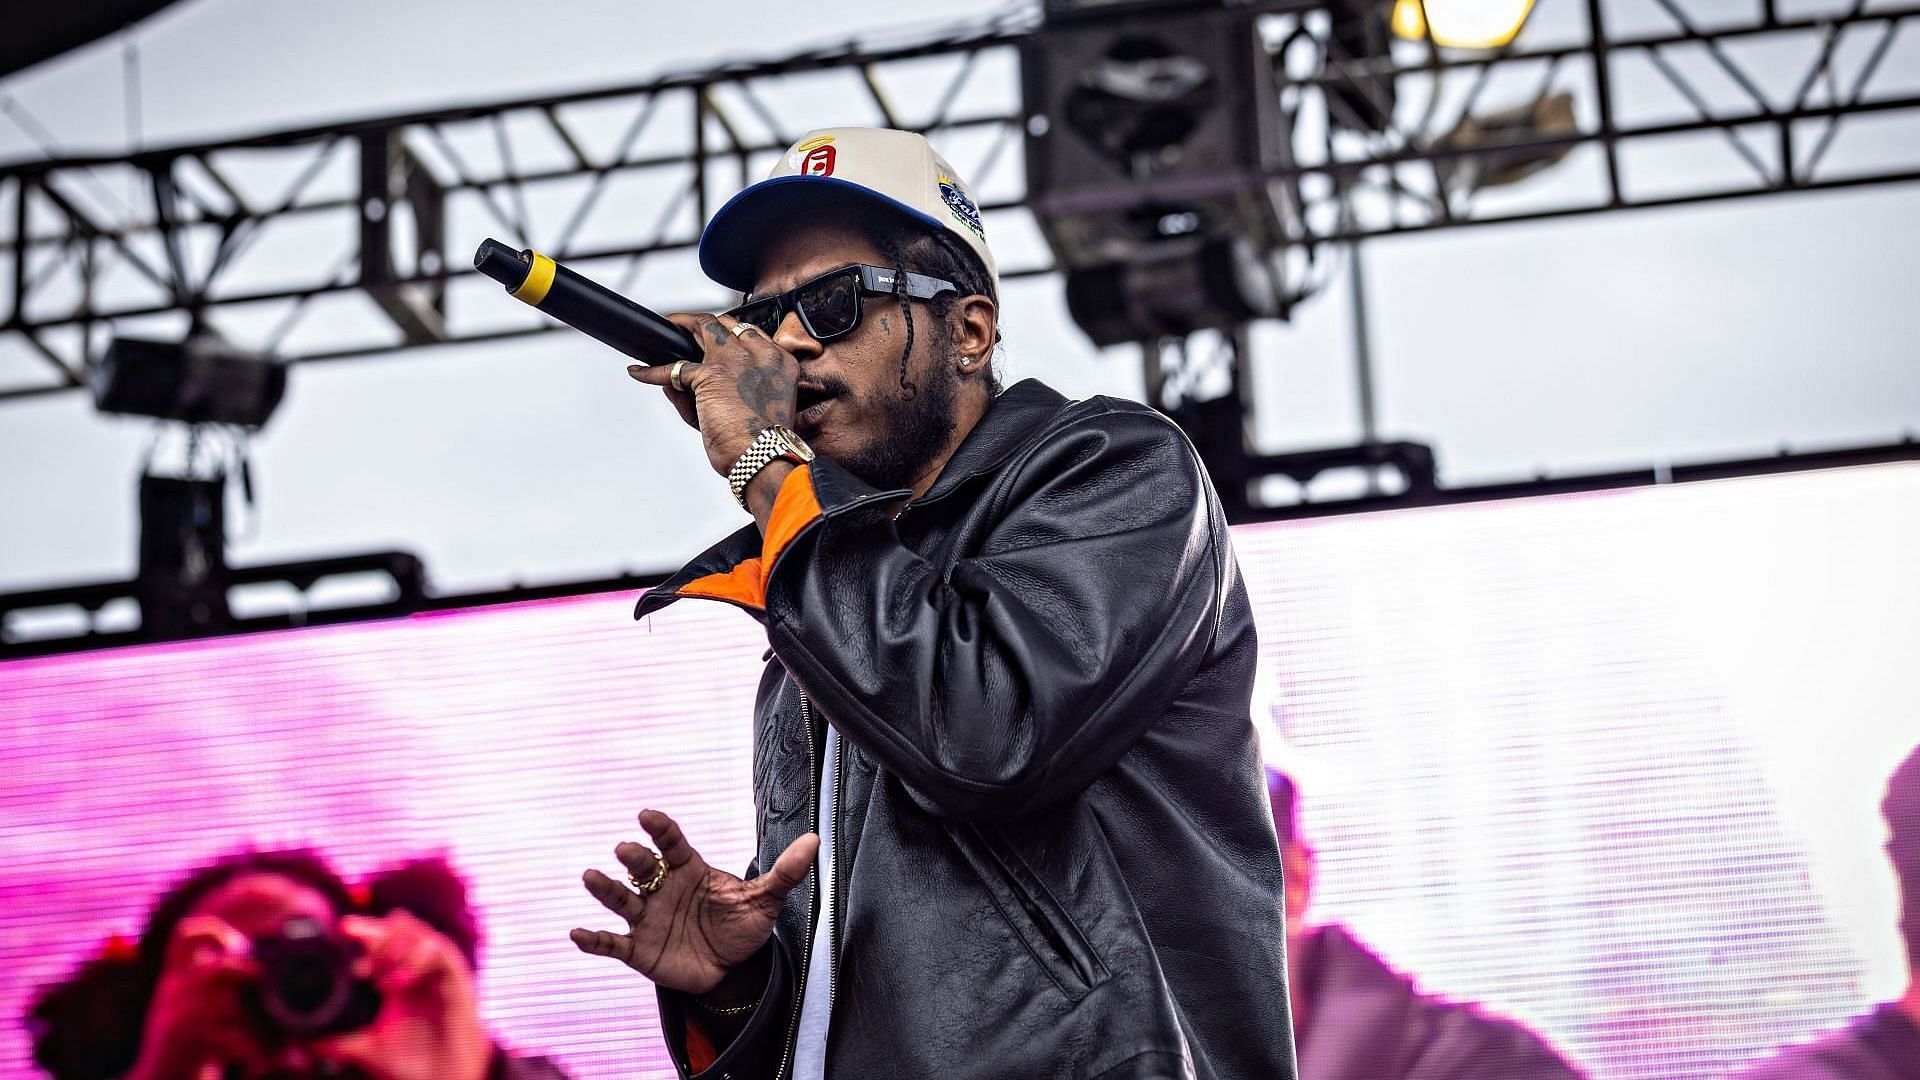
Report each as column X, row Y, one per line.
column 773, row 443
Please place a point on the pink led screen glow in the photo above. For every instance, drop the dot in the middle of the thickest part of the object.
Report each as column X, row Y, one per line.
column 1607, row 764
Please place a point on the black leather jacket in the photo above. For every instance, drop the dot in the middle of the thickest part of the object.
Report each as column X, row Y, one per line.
column 1054, row 850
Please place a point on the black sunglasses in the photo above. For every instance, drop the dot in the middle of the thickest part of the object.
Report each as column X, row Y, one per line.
column 829, row 305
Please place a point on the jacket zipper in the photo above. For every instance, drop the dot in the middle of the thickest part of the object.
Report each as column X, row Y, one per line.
column 813, row 902
column 833, row 943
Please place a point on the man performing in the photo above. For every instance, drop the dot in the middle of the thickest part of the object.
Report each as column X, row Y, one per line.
column 1358, row 1019
column 1885, row 1043
column 1007, row 791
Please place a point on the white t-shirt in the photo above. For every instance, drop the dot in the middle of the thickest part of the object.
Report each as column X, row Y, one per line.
column 810, row 1048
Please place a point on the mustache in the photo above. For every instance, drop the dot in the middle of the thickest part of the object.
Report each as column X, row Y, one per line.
column 827, row 387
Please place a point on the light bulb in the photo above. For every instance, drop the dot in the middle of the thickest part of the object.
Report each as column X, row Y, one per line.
column 1461, row 24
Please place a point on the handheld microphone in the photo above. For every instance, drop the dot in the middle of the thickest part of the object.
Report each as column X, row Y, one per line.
column 585, row 305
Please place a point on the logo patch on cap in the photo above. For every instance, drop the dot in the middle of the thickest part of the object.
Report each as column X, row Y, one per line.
column 818, row 162
column 814, row 157
column 962, row 207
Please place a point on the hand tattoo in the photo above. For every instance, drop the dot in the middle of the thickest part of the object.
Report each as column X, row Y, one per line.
column 717, row 332
column 768, row 395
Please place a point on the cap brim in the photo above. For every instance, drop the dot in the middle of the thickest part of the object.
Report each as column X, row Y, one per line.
column 731, row 246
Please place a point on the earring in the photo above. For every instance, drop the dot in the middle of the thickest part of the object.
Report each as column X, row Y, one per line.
column 965, row 362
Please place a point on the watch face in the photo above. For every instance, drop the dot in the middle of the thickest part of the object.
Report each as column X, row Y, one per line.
column 798, row 444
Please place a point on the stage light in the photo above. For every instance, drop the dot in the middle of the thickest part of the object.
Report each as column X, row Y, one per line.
column 1186, row 287
column 1152, row 126
column 200, row 380
column 184, row 577
column 1152, row 132
column 1461, row 24
column 1549, row 117
column 1141, row 102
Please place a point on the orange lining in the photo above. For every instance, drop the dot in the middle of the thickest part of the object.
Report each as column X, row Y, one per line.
column 793, row 510
column 700, row 1052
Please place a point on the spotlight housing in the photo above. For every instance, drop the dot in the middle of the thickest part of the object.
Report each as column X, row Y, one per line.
column 1210, row 284
column 1149, row 120
column 1152, row 134
column 200, row 380
column 184, row 577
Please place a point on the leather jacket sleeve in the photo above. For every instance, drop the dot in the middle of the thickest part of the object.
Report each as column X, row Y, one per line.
column 1004, row 681
column 757, row 1051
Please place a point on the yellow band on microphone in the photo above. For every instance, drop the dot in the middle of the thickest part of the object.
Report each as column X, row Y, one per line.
column 539, row 280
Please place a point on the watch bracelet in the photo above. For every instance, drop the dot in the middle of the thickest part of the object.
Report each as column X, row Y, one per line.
column 766, row 448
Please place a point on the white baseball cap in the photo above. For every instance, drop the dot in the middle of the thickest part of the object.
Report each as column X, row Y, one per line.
column 869, row 170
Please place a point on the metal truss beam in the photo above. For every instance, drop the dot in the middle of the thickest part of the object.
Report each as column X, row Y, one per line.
column 1775, row 126
column 348, row 240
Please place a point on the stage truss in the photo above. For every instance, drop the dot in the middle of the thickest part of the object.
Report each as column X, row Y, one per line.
column 352, row 240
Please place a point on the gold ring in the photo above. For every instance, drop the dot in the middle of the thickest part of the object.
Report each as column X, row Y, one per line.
column 652, row 884
column 740, row 329
column 673, row 375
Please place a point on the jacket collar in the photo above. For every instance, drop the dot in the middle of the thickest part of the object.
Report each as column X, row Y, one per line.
column 730, row 552
column 1010, row 421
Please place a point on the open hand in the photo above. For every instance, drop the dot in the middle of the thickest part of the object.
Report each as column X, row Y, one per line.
column 701, row 923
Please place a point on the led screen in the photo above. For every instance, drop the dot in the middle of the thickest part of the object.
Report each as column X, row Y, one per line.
column 1608, row 765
